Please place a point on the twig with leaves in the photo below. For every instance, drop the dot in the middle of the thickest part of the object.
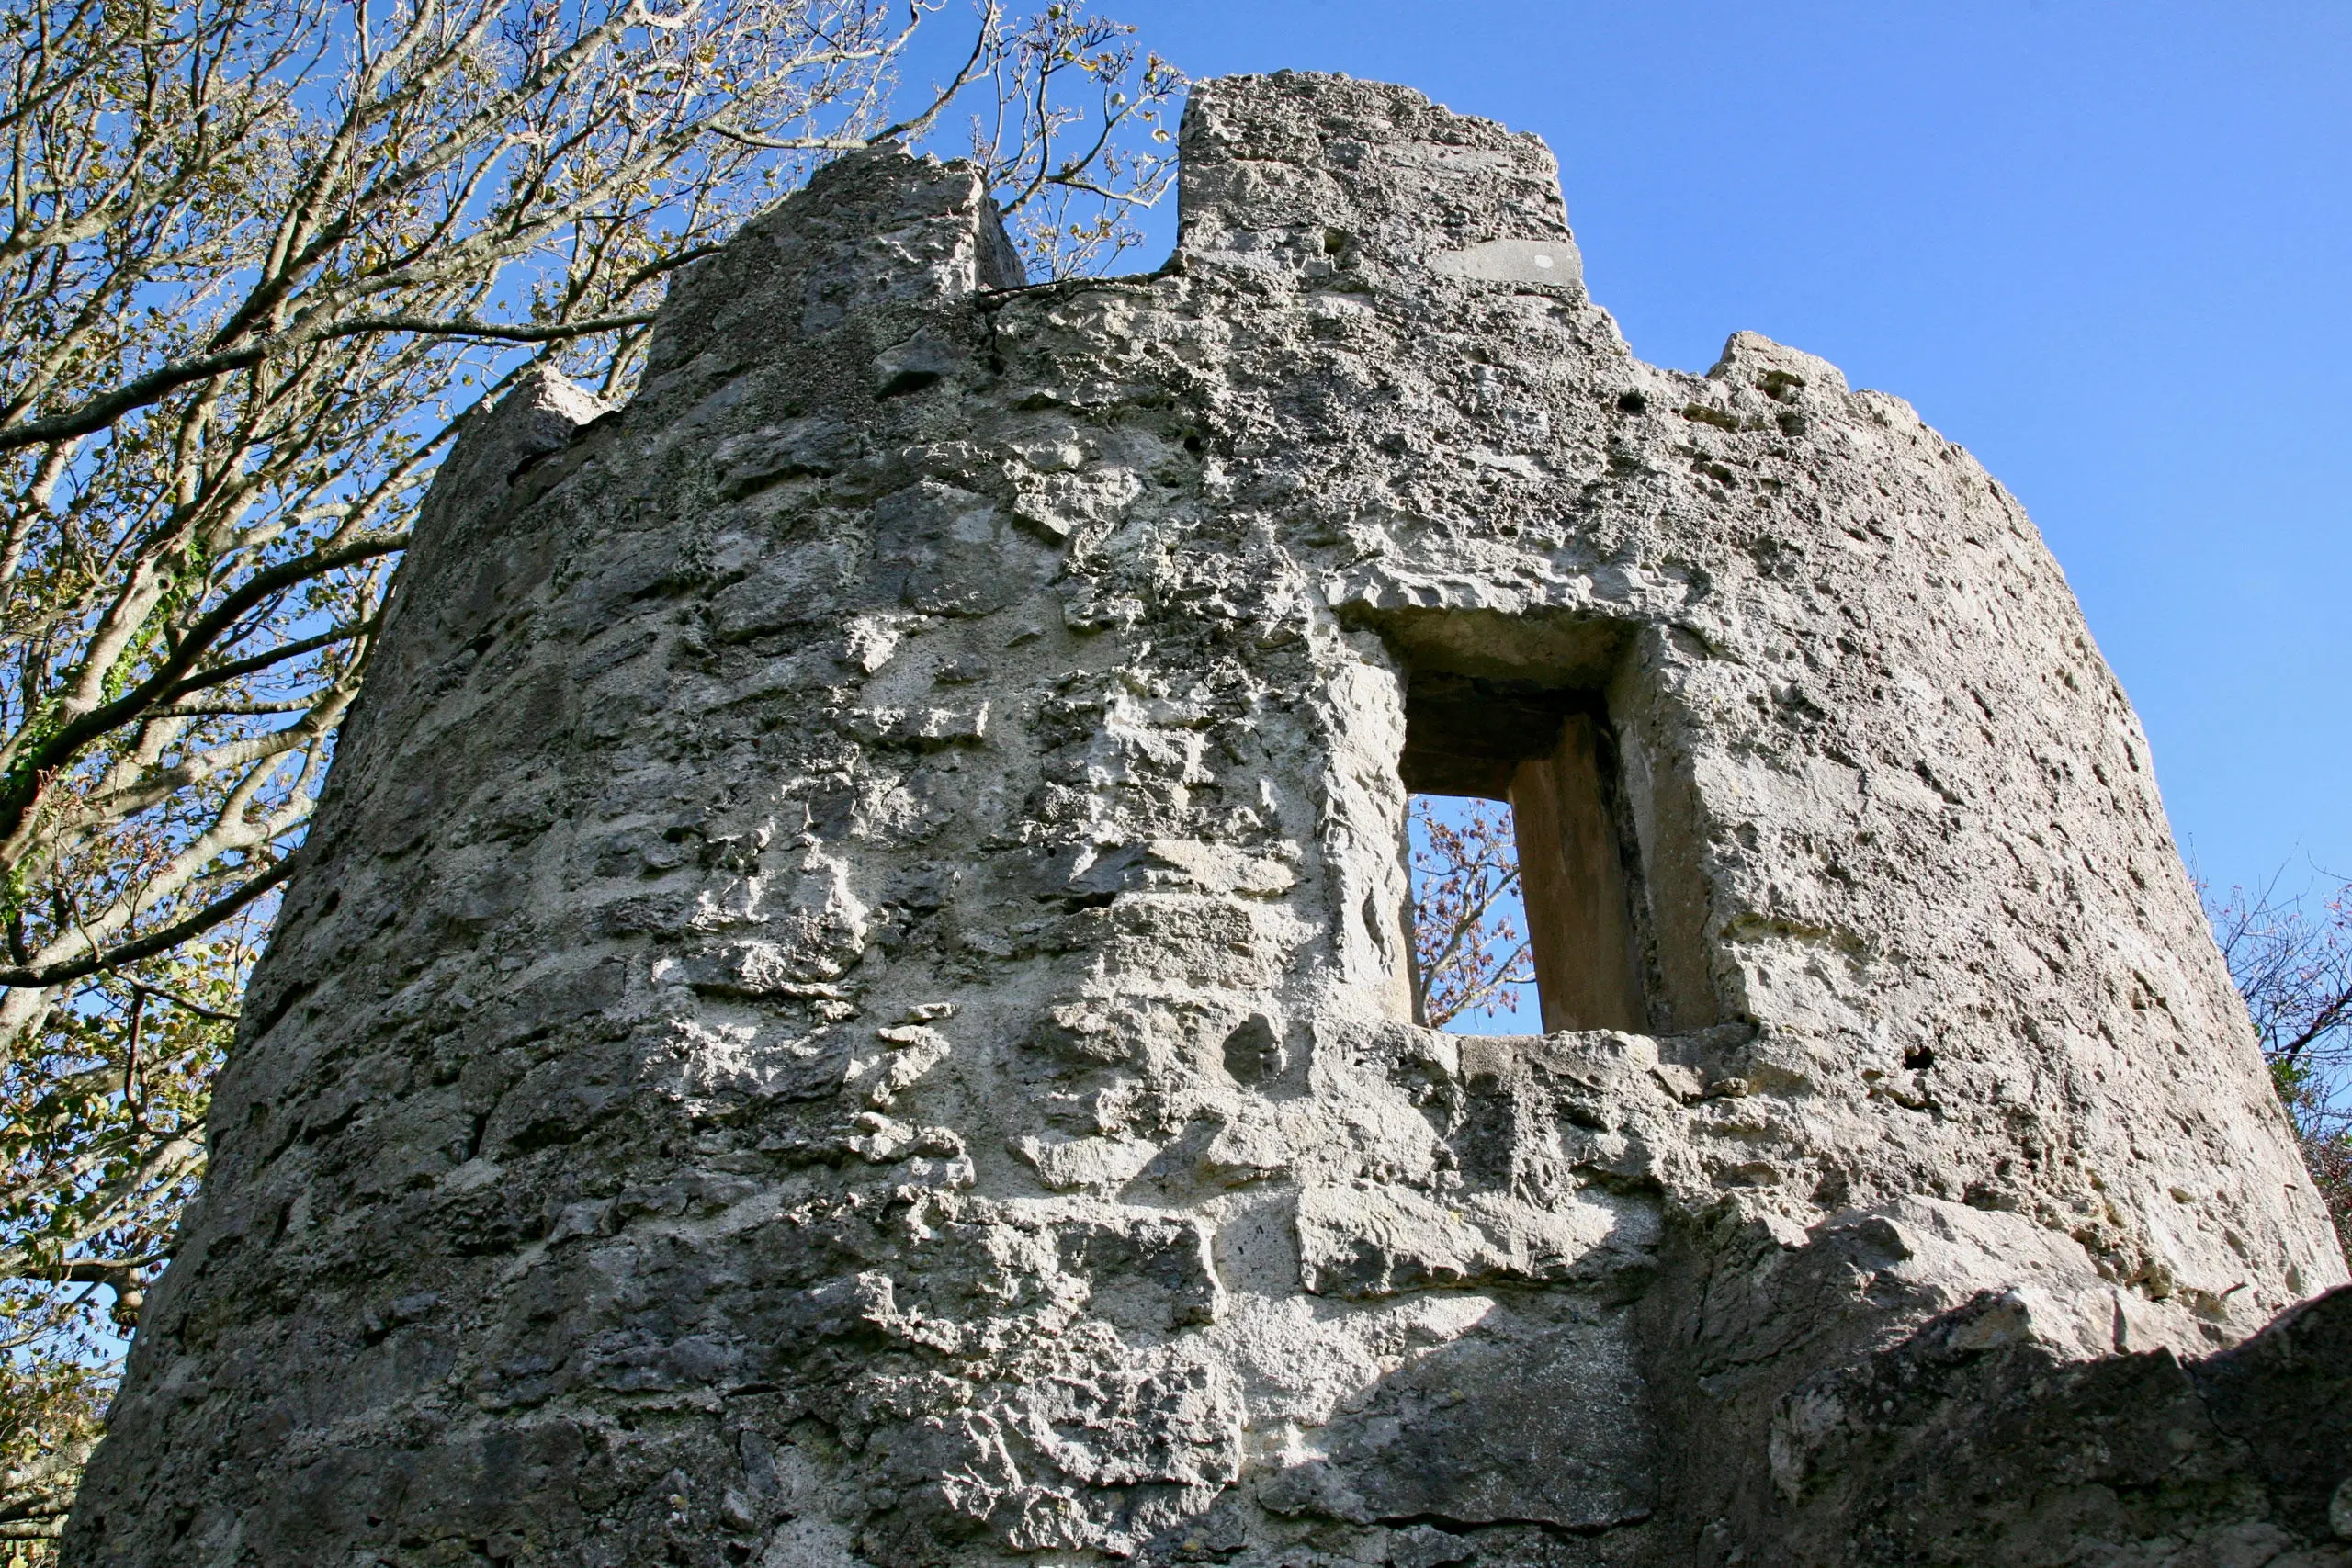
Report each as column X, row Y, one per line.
column 1070, row 176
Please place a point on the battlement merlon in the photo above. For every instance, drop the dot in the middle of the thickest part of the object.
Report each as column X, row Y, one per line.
column 876, row 229
column 1322, row 173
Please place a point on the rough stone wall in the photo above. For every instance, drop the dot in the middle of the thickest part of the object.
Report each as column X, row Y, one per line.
column 1970, row 1443
column 846, row 1003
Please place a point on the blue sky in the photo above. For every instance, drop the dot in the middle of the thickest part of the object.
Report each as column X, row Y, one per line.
column 2104, row 246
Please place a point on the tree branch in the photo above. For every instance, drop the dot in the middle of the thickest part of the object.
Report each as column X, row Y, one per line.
column 20, row 979
column 30, row 776
column 102, row 411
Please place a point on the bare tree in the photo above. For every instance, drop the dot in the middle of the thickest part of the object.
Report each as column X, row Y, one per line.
column 2291, row 958
column 1469, row 955
column 262, row 261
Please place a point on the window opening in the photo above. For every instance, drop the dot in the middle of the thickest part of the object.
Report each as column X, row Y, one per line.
column 1533, row 770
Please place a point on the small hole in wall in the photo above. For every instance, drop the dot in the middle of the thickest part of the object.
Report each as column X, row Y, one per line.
column 907, row 381
column 1252, row 1052
column 1918, row 1058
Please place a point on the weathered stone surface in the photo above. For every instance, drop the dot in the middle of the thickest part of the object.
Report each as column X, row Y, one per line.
column 846, row 1003
column 1971, row 1442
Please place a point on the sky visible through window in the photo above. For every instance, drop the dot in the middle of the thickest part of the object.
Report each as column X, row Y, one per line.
column 1438, row 827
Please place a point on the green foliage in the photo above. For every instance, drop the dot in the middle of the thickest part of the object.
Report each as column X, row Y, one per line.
column 101, row 1123
column 52, row 1407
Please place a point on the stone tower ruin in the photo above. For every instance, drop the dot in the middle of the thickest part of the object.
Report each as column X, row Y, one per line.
column 849, row 1004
